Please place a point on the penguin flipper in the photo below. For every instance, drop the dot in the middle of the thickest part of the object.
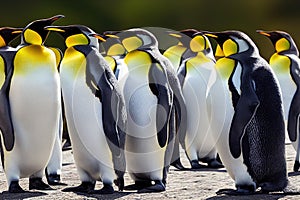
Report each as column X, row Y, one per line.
column 293, row 117
column 244, row 112
column 6, row 125
column 158, row 84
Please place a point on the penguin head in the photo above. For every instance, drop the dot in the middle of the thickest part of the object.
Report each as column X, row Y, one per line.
column 137, row 38
column 112, row 45
column 184, row 36
column 7, row 34
column 34, row 33
column 282, row 41
column 76, row 35
column 234, row 44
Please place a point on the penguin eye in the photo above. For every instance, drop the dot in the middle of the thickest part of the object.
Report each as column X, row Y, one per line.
column 32, row 37
column 116, row 49
column 2, row 42
column 77, row 39
column 282, row 45
column 197, row 44
column 132, row 43
column 230, row 47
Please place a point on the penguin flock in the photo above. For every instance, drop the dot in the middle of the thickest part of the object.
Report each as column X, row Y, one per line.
column 129, row 105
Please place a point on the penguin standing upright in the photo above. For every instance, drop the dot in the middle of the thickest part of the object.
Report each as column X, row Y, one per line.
column 34, row 89
column 285, row 63
column 95, row 111
column 257, row 124
column 150, row 88
column 197, row 74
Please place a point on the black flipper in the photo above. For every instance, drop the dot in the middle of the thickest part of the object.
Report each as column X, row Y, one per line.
column 293, row 118
column 244, row 111
column 158, row 84
column 6, row 125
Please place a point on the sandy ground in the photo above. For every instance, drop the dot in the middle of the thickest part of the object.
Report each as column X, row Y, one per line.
column 200, row 184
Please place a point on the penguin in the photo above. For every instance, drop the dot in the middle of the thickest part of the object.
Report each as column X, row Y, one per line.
column 33, row 90
column 246, row 144
column 150, row 90
column 197, row 74
column 285, row 63
column 95, row 111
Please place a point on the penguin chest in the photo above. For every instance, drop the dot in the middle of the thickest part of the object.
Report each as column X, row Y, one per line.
column 35, row 104
column 84, row 114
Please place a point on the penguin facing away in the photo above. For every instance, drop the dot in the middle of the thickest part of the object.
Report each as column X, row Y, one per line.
column 286, row 64
column 95, row 111
column 257, row 124
column 196, row 74
column 34, row 89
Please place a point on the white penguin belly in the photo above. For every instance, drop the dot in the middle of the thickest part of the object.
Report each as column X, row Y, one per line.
column 35, row 105
column 144, row 156
column 84, row 118
column 199, row 141
column 221, row 111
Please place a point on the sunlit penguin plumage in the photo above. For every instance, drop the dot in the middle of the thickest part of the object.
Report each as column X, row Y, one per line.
column 34, row 90
column 149, row 90
column 95, row 111
column 257, row 123
column 197, row 74
column 285, row 63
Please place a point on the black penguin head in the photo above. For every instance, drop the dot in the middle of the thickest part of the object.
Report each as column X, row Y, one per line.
column 34, row 33
column 137, row 38
column 7, row 34
column 234, row 44
column 282, row 41
column 75, row 35
column 184, row 36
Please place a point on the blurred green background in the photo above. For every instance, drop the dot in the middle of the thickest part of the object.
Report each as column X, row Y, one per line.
column 210, row 15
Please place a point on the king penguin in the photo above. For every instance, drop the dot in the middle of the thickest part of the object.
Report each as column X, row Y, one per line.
column 286, row 64
column 95, row 111
column 197, row 74
column 150, row 89
column 257, row 123
column 34, row 89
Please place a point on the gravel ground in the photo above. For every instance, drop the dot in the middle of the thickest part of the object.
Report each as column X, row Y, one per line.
column 200, row 184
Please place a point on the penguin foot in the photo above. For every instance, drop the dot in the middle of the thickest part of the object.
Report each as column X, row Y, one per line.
column 14, row 187
column 138, row 185
column 54, row 179
column 84, row 187
column 157, row 187
column 195, row 165
column 38, row 184
column 120, row 183
column 241, row 190
column 178, row 165
column 296, row 166
column 107, row 189
column 214, row 164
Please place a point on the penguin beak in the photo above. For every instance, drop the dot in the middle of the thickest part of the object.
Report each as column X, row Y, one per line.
column 54, row 28
column 56, row 17
column 174, row 34
column 211, row 35
column 266, row 33
column 99, row 36
column 17, row 31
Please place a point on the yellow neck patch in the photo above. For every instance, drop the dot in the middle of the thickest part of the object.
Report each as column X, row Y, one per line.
column 78, row 39
column 282, row 45
column 138, row 62
column 57, row 55
column 111, row 62
column 197, row 61
column 115, row 50
column 219, row 52
column 230, row 47
column 280, row 64
column 72, row 61
column 2, row 71
column 197, row 44
column 174, row 54
column 2, row 42
column 32, row 37
column 225, row 66
column 132, row 43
